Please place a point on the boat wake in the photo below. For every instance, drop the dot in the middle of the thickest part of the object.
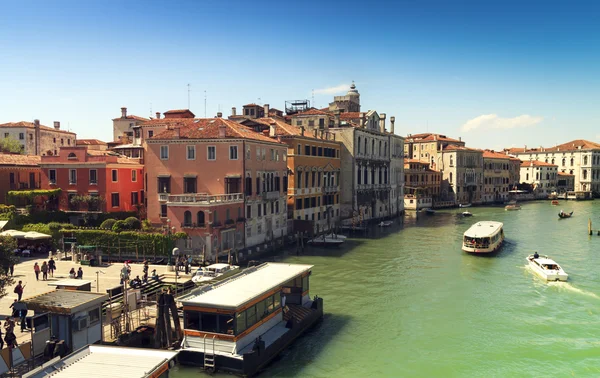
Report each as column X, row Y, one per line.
column 567, row 287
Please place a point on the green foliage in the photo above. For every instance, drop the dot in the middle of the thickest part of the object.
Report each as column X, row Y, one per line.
column 7, row 246
column 119, row 226
column 8, row 209
column 32, row 194
column 147, row 226
column 133, row 223
column 52, row 229
column 108, row 224
column 10, row 145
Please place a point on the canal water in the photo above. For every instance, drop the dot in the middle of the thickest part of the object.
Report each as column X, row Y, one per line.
column 407, row 302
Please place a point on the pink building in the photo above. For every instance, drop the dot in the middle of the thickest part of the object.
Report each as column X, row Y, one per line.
column 220, row 182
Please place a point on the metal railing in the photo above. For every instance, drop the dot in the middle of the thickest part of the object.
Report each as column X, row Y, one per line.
column 205, row 199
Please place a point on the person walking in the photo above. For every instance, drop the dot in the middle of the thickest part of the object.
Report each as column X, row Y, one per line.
column 23, row 316
column 19, row 290
column 51, row 266
column 1, row 338
column 145, row 271
column 36, row 269
column 44, row 271
column 12, row 269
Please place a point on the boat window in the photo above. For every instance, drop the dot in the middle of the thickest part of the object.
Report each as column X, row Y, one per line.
column 250, row 316
column 276, row 301
column 269, row 304
column 192, row 320
column 240, row 322
column 261, row 310
column 226, row 324
column 208, row 322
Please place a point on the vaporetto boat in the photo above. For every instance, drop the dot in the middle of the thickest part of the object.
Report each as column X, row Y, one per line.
column 546, row 268
column 483, row 237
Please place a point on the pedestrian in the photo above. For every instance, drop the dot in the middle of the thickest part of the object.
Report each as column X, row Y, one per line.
column 72, row 273
column 12, row 269
column 14, row 310
column 44, row 271
column 9, row 328
column 80, row 273
column 51, row 266
column 36, row 269
column 19, row 290
column 23, row 316
column 1, row 338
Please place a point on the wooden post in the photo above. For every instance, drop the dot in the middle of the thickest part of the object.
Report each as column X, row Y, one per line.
column 590, row 226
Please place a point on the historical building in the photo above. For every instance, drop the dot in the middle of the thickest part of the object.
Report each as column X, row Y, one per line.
column 18, row 172
column 116, row 183
column 37, row 139
column 497, row 170
column 462, row 173
column 123, row 126
column 422, row 184
column 579, row 157
column 222, row 183
column 514, row 176
column 348, row 103
column 541, row 175
column 397, row 171
column 92, row 144
column 425, row 147
column 313, row 161
column 565, row 182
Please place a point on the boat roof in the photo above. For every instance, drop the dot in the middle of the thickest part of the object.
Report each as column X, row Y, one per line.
column 245, row 286
column 218, row 266
column 483, row 229
column 544, row 261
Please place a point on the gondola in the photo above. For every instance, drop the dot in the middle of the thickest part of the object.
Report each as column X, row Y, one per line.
column 565, row 215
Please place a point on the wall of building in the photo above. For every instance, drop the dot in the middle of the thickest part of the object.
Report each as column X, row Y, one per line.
column 496, row 180
column 18, row 177
column 50, row 141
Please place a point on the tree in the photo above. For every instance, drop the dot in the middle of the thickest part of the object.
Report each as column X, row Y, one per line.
column 7, row 246
column 10, row 145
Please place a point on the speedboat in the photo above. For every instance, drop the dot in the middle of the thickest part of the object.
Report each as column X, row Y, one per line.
column 385, row 223
column 466, row 214
column 209, row 273
column 547, row 268
column 326, row 241
column 483, row 237
column 512, row 207
column 464, row 205
column 336, row 236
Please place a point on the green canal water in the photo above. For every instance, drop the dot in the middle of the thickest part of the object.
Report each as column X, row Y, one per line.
column 406, row 302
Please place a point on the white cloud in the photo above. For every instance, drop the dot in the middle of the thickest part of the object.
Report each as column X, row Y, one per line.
column 492, row 121
column 333, row 90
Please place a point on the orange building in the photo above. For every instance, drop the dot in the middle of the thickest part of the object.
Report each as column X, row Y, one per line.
column 422, row 185
column 18, row 172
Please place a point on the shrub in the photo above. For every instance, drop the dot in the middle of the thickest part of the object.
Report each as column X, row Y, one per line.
column 133, row 223
column 119, row 226
column 108, row 224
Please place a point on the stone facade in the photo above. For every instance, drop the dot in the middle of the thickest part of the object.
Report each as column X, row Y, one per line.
column 397, row 171
column 123, row 127
column 496, row 177
column 462, row 174
column 37, row 139
column 541, row 175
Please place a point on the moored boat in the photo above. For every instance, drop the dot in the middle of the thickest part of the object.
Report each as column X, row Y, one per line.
column 546, row 268
column 512, row 207
column 466, row 214
column 555, row 203
column 385, row 223
column 336, row 236
column 464, row 205
column 209, row 273
column 563, row 215
column 483, row 237
column 326, row 241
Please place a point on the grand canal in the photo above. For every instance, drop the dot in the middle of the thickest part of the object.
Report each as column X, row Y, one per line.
column 406, row 302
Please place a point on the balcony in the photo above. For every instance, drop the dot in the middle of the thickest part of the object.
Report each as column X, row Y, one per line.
column 270, row 196
column 204, row 199
column 193, row 225
column 163, row 197
column 330, row 189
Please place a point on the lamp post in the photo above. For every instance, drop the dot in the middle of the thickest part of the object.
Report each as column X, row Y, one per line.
column 98, row 280
column 169, row 264
column 175, row 253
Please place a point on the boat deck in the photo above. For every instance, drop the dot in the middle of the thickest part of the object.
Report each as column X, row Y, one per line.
column 268, row 337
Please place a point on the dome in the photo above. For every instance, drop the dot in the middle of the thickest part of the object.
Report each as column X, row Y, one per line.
column 353, row 91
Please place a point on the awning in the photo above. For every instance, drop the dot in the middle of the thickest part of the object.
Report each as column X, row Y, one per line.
column 14, row 233
column 34, row 235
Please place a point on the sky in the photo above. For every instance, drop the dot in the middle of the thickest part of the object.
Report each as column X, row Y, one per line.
column 496, row 73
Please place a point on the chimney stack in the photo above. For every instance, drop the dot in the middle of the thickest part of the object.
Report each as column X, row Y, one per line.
column 271, row 130
column 123, row 112
column 460, row 139
column 392, row 120
column 157, row 115
column 361, row 122
column 36, row 123
column 222, row 131
column 266, row 108
column 382, row 117
column 57, row 125
column 233, row 111
column 219, row 115
column 337, row 113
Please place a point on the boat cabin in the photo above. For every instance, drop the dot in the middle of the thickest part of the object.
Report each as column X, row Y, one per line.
column 483, row 235
column 546, row 264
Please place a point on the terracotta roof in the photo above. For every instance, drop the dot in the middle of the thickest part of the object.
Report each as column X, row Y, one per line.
column 183, row 113
column 575, row 145
column 252, row 104
column 30, row 125
column 350, row 115
column 565, row 174
column 536, row 163
column 285, row 129
column 488, row 154
column 90, row 142
column 325, row 109
column 21, row 160
column 459, row 148
column 131, row 116
column 208, row 128
column 415, row 161
column 176, row 111
column 430, row 137
column 312, row 111
column 519, row 150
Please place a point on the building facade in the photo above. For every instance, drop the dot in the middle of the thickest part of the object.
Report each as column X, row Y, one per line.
column 497, row 170
column 94, row 181
column 397, row 171
column 462, row 174
column 123, row 127
column 37, row 139
column 18, row 172
column 422, row 185
column 426, row 146
column 565, row 182
column 220, row 182
column 541, row 175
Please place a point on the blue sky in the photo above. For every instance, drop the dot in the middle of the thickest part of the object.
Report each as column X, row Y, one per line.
column 498, row 74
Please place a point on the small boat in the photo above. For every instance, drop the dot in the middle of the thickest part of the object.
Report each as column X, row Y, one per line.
column 547, row 268
column 430, row 211
column 209, row 273
column 466, row 214
column 563, row 215
column 385, row 223
column 555, row 203
column 336, row 236
column 512, row 207
column 483, row 237
column 326, row 241
column 464, row 205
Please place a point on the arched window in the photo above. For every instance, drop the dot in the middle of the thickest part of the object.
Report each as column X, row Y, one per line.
column 450, row 177
column 380, row 150
column 547, row 176
column 373, row 147
column 585, row 174
column 385, row 149
column 366, row 176
column 215, row 217
column 552, row 160
column 572, row 162
column 72, row 156
column 227, row 215
column 585, row 160
column 358, row 150
column 187, row 218
column 564, row 162
column 359, row 176
column 200, row 218
column 451, row 161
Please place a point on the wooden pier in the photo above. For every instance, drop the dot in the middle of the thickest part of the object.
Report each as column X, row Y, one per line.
column 591, row 231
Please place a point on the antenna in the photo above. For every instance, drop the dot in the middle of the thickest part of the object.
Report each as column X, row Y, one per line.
column 189, row 90
column 313, row 98
column 205, row 103
column 150, row 109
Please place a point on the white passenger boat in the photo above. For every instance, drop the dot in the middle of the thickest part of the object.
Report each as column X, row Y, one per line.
column 547, row 268
column 464, row 205
column 326, row 241
column 483, row 237
column 336, row 236
column 466, row 214
column 209, row 273
column 385, row 223
column 429, row 211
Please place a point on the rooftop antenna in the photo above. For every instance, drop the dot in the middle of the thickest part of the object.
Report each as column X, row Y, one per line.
column 259, row 101
column 150, row 109
column 313, row 98
column 205, row 103
column 189, row 90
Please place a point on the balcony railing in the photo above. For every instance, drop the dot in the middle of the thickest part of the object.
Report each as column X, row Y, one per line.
column 163, row 197
column 193, row 225
column 270, row 196
column 330, row 189
column 204, row 199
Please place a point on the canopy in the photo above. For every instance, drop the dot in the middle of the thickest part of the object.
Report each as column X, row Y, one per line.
column 34, row 235
column 2, row 224
column 13, row 233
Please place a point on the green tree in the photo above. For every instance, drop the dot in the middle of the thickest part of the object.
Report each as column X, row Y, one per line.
column 7, row 246
column 10, row 145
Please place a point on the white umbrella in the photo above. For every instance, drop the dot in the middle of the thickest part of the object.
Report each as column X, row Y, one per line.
column 13, row 233
column 34, row 235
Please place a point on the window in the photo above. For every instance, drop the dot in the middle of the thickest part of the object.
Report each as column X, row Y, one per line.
column 62, row 142
column 6, row 136
column 321, row 123
column 52, row 176
column 150, row 133
column 187, row 219
column 69, row 142
column 189, row 184
column 115, row 175
column 164, row 152
column 307, row 150
column 211, row 153
column 93, row 176
column 30, row 136
column 248, row 189
column 133, row 175
column 248, row 212
column 114, row 199
column 72, row 176
column 299, row 122
column 200, row 218
column 233, row 152
column 191, row 152
column 21, row 136
column 163, row 211
column 94, row 315
column 164, row 185
column 299, row 150
column 272, row 154
column 134, row 198
column 259, row 210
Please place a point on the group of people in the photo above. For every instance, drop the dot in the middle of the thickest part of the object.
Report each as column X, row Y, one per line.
column 31, row 249
column 76, row 274
column 183, row 263
column 47, row 267
column 137, row 282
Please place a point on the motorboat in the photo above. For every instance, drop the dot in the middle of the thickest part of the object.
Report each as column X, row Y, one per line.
column 483, row 237
column 512, row 207
column 336, row 236
column 466, row 214
column 209, row 273
column 563, row 215
column 546, row 268
column 385, row 223
column 430, row 211
column 464, row 205
column 326, row 241
column 555, row 203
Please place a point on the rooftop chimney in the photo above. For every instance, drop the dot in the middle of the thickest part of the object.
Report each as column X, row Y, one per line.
column 233, row 111
column 460, row 139
column 123, row 112
column 392, row 120
column 222, row 131
column 382, row 117
column 57, row 125
column 271, row 130
column 266, row 108
column 157, row 115
column 361, row 121
column 36, row 123
column 219, row 115
column 337, row 117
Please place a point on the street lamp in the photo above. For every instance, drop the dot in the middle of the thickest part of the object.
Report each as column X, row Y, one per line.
column 175, row 253
column 98, row 280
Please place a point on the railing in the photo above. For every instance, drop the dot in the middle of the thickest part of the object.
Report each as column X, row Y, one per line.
column 163, row 197
column 205, row 199
column 270, row 195
column 193, row 225
column 330, row 189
